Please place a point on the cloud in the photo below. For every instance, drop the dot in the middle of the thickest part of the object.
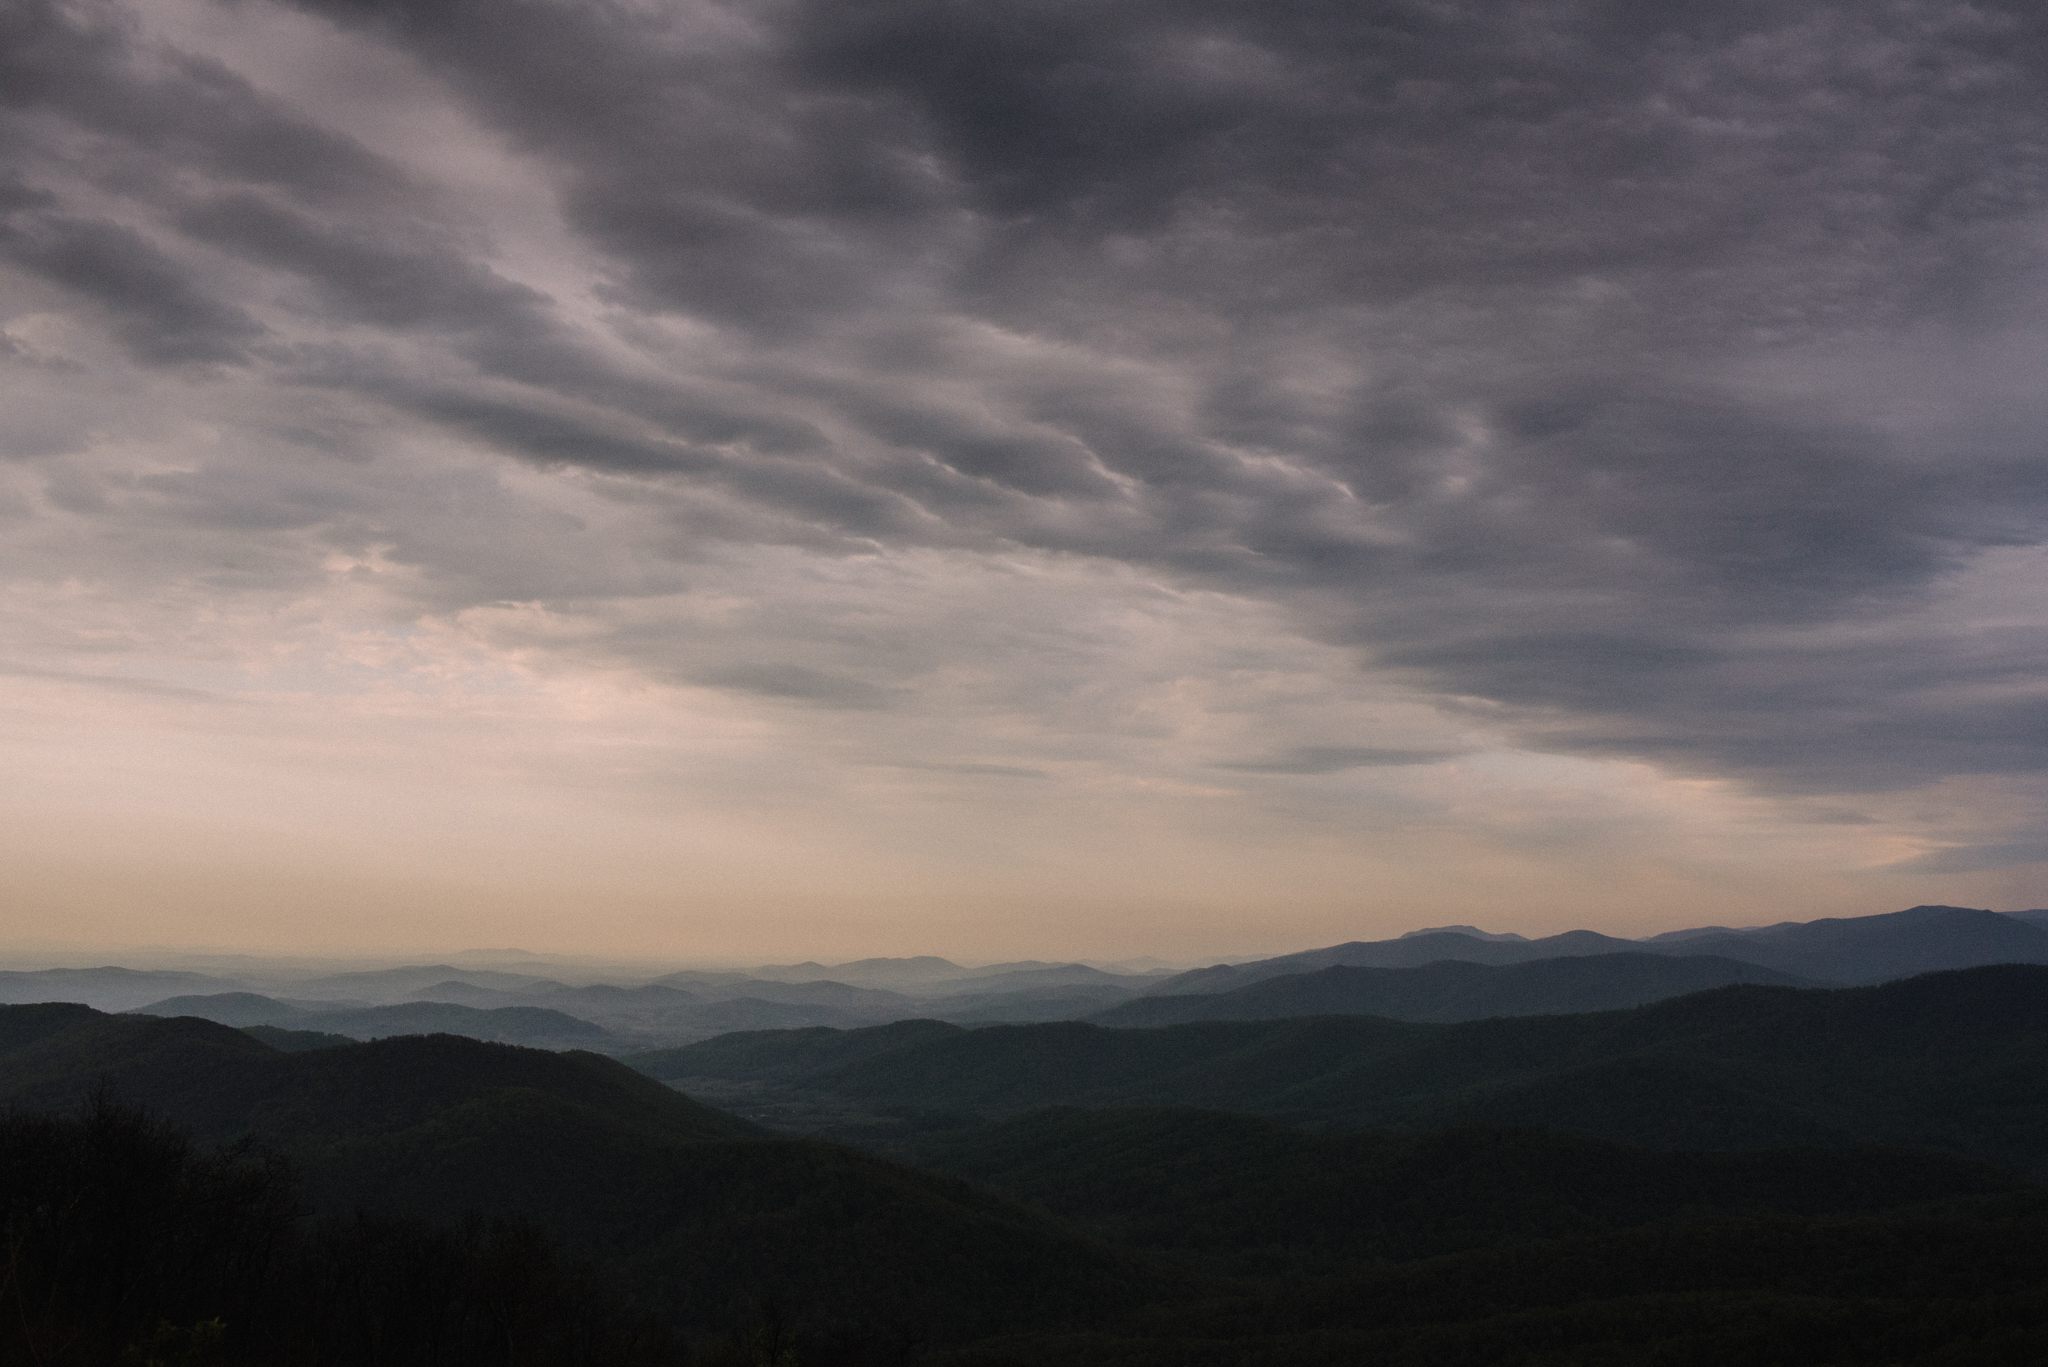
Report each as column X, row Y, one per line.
column 160, row 316
column 145, row 688
column 797, row 683
column 1652, row 388
column 982, row 770
column 365, row 281
column 1977, row 858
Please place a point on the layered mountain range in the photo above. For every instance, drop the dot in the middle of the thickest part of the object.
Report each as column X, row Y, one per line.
column 1442, row 974
column 1782, row 1175
column 1419, row 1149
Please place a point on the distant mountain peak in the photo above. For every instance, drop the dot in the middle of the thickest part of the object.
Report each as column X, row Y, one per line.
column 1473, row 931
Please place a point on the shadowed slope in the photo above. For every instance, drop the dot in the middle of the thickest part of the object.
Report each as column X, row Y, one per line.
column 691, row 1206
column 1957, row 1061
column 1212, row 1181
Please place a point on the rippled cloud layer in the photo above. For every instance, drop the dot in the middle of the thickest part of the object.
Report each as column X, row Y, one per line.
column 1026, row 476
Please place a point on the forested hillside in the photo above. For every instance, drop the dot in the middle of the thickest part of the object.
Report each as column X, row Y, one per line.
column 695, row 1212
column 1955, row 1061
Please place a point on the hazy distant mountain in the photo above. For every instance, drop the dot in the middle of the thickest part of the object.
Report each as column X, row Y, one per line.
column 227, row 1008
column 875, row 1003
column 864, row 972
column 1057, row 1002
column 605, row 999
column 1020, row 979
column 752, row 1013
column 466, row 994
column 1868, row 949
column 1410, row 951
column 1474, row 931
column 1859, row 949
column 598, row 999
column 2032, row 918
column 534, row 1026
column 657, row 1013
column 1672, row 937
column 1143, row 965
column 1453, row 990
column 1014, row 966
column 898, row 980
column 609, row 1018
column 105, row 989
column 388, row 984
column 498, row 956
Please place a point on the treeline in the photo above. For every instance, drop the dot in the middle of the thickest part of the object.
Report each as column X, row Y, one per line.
column 1237, row 1195
column 125, row 1243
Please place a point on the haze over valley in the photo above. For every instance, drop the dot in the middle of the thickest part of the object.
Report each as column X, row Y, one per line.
column 1452, row 973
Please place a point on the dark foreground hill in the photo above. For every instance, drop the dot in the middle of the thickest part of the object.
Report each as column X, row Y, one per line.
column 128, row 1244
column 1457, row 990
column 691, row 1209
column 1159, row 1237
column 1941, row 1288
column 1951, row 1061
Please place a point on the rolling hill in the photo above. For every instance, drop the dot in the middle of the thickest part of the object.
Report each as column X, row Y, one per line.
column 1276, row 1198
column 1955, row 1061
column 694, row 1210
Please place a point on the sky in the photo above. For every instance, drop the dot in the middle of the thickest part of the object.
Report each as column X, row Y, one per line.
column 1016, row 478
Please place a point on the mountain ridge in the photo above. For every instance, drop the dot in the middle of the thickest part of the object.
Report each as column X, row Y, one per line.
column 1456, row 990
column 1855, row 950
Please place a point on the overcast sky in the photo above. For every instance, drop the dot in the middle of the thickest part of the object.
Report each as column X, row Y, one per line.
column 1016, row 477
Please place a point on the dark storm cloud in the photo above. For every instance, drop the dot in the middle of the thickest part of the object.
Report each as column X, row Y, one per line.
column 167, row 113
column 1456, row 328
column 718, row 186
column 366, row 281
column 157, row 312
column 1400, row 147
